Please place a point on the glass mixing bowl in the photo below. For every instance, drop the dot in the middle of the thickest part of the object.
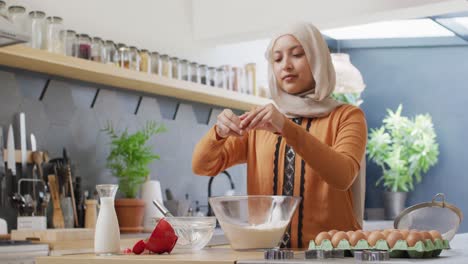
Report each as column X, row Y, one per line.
column 193, row 232
column 254, row 221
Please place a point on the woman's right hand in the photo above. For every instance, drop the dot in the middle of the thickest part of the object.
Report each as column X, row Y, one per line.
column 228, row 124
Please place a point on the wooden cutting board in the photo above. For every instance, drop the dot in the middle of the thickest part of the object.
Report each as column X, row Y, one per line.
column 50, row 235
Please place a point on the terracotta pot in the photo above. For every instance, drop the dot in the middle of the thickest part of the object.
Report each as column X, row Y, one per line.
column 130, row 213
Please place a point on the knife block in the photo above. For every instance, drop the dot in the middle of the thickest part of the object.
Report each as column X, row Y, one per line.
column 32, row 223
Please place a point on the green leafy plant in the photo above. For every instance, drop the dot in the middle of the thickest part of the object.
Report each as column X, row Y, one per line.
column 348, row 98
column 130, row 156
column 404, row 148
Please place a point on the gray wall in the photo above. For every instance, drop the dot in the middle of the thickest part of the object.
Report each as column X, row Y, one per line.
column 424, row 80
column 64, row 118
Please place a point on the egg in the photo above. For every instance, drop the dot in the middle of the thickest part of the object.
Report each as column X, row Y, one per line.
column 413, row 238
column 375, row 236
column 340, row 235
column 355, row 237
column 393, row 237
column 349, row 233
column 386, row 232
column 435, row 235
column 366, row 233
column 322, row 236
column 426, row 235
column 332, row 232
column 405, row 233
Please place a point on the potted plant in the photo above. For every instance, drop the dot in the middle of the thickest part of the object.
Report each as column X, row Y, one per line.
column 404, row 148
column 128, row 160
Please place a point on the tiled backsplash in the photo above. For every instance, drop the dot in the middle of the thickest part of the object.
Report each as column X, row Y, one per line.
column 70, row 114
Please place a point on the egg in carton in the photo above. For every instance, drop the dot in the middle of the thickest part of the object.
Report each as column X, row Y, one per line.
column 399, row 243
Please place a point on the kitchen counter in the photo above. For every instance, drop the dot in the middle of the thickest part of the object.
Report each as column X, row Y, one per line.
column 458, row 254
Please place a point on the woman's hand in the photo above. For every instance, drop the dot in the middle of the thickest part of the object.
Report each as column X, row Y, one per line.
column 265, row 117
column 228, row 124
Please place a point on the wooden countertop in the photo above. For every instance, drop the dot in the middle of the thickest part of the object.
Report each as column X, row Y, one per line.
column 208, row 255
column 458, row 254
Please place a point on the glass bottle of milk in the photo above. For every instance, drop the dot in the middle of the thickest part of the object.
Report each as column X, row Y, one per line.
column 107, row 233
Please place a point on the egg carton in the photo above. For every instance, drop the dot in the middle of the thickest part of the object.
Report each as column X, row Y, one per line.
column 422, row 249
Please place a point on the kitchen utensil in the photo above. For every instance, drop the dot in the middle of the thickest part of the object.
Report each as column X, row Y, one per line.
column 11, row 151
column 254, row 221
column 67, row 210
column 169, row 195
column 434, row 215
column 24, row 151
column 30, row 200
column 70, row 182
column 57, row 221
column 2, row 172
column 184, row 234
column 33, row 143
column 90, row 213
column 44, row 199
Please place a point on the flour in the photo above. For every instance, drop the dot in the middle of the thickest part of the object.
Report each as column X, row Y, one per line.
column 254, row 237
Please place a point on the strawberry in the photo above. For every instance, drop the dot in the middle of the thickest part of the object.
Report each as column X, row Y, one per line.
column 162, row 239
column 139, row 247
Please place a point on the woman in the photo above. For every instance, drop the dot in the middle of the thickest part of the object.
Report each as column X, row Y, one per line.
column 310, row 146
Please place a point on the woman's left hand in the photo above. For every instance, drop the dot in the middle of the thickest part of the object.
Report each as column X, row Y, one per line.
column 265, row 117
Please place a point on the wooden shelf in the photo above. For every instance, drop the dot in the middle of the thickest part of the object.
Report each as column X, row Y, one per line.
column 23, row 57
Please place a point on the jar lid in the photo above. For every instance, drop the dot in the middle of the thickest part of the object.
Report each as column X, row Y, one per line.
column 84, row 36
column 17, row 9
column 109, row 42
column 55, row 19
column 174, row 58
column 183, row 61
column 2, row 4
column 69, row 31
column 144, row 50
column 133, row 48
column 154, row 53
column 164, row 56
column 434, row 215
column 202, row 65
column 37, row 14
column 97, row 38
column 193, row 63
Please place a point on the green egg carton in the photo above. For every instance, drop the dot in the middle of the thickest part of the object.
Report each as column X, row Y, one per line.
column 422, row 249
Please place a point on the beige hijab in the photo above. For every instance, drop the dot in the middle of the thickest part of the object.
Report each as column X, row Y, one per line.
column 315, row 102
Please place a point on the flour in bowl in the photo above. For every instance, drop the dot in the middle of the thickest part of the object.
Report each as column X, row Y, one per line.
column 255, row 236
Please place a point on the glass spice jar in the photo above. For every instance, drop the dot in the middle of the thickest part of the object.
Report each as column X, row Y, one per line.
column 83, row 47
column 53, row 43
column 193, row 72
column 155, row 62
column 3, row 9
column 220, row 78
column 124, row 57
column 17, row 16
column 250, row 76
column 210, row 76
column 145, row 61
column 97, row 51
column 134, row 58
column 164, row 65
column 110, row 53
column 184, row 70
column 69, row 41
column 174, row 74
column 36, row 28
column 202, row 69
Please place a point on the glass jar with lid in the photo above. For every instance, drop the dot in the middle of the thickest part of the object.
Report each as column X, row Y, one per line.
column 220, row 78
column 69, row 42
column 145, row 61
column 211, row 76
column 53, row 43
column 193, row 72
column 250, row 76
column 110, row 53
column 164, row 65
column 124, row 56
column 202, row 69
column 184, row 70
column 83, row 47
column 17, row 15
column 3, row 9
column 134, row 58
column 36, row 24
column 97, row 46
column 174, row 74
column 155, row 62
column 228, row 77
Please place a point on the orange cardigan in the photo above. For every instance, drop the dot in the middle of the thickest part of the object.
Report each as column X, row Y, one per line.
column 328, row 153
